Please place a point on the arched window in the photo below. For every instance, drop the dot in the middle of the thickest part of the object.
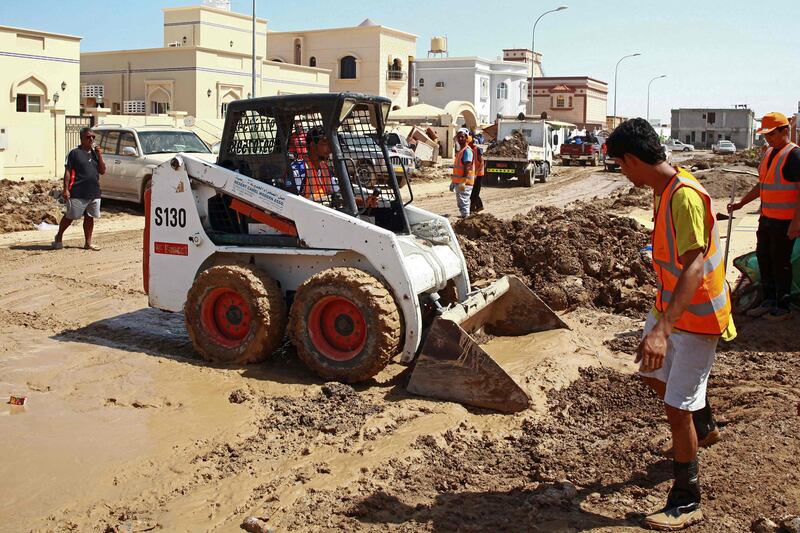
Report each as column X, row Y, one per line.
column 347, row 68
column 298, row 52
column 312, row 62
column 422, row 82
column 502, row 91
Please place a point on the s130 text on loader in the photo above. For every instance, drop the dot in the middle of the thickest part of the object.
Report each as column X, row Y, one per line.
column 301, row 228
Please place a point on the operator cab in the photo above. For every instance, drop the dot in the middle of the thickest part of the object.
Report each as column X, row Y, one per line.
column 328, row 148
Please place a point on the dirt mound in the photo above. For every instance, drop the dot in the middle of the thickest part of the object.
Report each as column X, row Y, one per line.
column 432, row 173
column 578, row 256
column 514, row 145
column 750, row 158
column 718, row 183
column 24, row 204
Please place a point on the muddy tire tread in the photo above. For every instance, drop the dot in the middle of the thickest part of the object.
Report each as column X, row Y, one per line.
column 384, row 325
column 267, row 305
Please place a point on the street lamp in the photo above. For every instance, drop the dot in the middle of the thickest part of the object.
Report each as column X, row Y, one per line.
column 533, row 50
column 615, row 81
column 648, row 94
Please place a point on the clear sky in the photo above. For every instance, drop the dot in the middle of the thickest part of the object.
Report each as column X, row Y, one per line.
column 714, row 53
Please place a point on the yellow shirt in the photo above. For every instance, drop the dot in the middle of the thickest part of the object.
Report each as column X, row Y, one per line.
column 692, row 232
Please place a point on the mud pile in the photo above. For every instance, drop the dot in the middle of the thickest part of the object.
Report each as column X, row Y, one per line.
column 514, row 145
column 431, row 173
column 627, row 199
column 580, row 256
column 718, row 183
column 23, row 205
column 750, row 158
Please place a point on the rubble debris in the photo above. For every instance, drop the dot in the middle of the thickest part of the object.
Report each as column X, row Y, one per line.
column 763, row 525
column 791, row 524
column 514, row 145
column 239, row 396
column 253, row 524
column 569, row 257
column 25, row 204
column 750, row 158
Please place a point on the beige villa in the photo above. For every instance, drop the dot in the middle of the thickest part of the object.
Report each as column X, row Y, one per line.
column 205, row 63
column 40, row 84
column 367, row 58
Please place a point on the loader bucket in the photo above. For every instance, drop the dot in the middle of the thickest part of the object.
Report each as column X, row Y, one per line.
column 452, row 366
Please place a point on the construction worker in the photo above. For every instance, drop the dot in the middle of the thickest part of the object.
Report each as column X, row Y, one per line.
column 691, row 312
column 311, row 176
column 463, row 172
column 779, row 224
column 475, row 203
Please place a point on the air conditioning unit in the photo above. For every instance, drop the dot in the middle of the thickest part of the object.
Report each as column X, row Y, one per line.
column 439, row 84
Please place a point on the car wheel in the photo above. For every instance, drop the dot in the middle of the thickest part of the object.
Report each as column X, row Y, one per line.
column 685, row 149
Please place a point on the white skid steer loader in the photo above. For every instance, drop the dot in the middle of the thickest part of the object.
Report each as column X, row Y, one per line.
column 301, row 228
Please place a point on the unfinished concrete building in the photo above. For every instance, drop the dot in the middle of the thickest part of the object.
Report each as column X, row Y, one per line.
column 704, row 127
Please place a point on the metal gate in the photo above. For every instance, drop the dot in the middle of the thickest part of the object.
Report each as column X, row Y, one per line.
column 72, row 129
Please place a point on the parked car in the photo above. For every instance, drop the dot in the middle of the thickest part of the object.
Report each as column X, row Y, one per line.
column 131, row 154
column 723, row 147
column 677, row 146
column 366, row 152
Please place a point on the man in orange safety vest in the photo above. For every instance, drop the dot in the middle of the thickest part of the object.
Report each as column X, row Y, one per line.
column 691, row 312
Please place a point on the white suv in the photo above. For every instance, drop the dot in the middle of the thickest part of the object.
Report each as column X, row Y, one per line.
column 131, row 154
column 676, row 146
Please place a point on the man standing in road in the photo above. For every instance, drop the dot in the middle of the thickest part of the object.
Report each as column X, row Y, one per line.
column 779, row 225
column 691, row 312
column 83, row 169
column 463, row 173
column 476, row 204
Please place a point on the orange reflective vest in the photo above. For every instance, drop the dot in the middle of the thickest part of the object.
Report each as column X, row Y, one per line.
column 710, row 309
column 778, row 196
column 479, row 162
column 463, row 173
column 315, row 184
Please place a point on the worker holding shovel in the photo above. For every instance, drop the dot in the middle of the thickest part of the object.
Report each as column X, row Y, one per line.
column 778, row 188
column 692, row 308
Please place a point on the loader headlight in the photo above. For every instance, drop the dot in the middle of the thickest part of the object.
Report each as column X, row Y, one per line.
column 176, row 163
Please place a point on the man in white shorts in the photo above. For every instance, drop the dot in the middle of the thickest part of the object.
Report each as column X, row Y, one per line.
column 691, row 312
column 83, row 168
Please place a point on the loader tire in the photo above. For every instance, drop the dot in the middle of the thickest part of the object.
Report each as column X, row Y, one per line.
column 235, row 314
column 345, row 324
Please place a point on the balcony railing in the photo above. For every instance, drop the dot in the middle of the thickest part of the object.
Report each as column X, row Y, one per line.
column 396, row 75
column 92, row 91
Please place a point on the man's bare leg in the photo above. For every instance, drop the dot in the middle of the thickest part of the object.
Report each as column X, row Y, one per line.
column 88, row 228
column 62, row 227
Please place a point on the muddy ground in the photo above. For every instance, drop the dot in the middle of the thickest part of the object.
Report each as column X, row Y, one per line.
column 126, row 429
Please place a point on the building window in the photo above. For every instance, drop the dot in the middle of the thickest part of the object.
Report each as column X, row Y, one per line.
column 712, row 117
column 693, row 137
column 484, row 88
column 312, row 62
column 502, row 91
column 298, row 52
column 347, row 68
column 702, row 136
column 223, row 108
column 29, row 103
column 159, row 108
column 570, row 102
column 561, row 102
column 422, row 82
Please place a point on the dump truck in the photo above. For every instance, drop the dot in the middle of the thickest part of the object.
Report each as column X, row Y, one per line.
column 524, row 152
column 354, row 274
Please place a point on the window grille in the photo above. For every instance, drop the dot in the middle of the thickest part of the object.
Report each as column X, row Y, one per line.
column 92, row 91
column 132, row 107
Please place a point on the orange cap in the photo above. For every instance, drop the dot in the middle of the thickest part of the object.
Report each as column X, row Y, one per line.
column 770, row 121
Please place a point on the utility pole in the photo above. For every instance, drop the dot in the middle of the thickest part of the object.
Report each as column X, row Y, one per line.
column 533, row 51
column 615, row 82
